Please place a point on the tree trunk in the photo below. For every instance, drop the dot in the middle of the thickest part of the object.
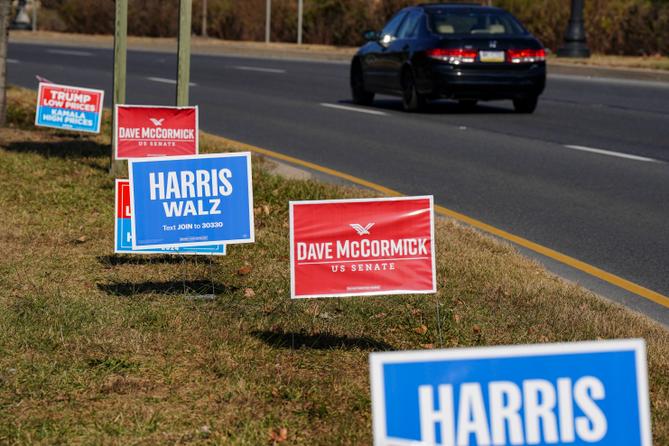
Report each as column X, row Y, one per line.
column 5, row 7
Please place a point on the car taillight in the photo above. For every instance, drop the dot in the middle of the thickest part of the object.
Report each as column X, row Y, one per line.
column 453, row 55
column 525, row 56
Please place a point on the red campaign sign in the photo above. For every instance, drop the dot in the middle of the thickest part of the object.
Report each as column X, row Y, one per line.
column 145, row 131
column 362, row 247
column 123, row 199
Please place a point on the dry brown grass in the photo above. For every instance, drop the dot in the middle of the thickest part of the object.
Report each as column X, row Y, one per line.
column 104, row 349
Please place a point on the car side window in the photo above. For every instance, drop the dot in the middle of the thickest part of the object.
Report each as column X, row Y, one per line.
column 392, row 26
column 409, row 27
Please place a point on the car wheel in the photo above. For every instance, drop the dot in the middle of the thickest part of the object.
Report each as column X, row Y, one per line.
column 360, row 95
column 467, row 104
column 525, row 105
column 412, row 101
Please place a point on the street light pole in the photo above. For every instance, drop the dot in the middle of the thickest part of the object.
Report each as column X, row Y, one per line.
column 300, row 16
column 268, row 20
column 575, row 44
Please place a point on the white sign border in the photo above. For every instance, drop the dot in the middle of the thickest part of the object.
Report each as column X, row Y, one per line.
column 247, row 155
column 148, row 251
column 185, row 107
column 368, row 293
column 378, row 359
column 51, row 84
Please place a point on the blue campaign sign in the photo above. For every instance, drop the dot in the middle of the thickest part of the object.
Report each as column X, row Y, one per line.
column 190, row 201
column 71, row 108
column 587, row 393
column 123, row 230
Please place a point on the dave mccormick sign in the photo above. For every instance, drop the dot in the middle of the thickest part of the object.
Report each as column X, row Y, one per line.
column 589, row 393
column 70, row 108
column 146, row 131
column 362, row 247
column 123, row 230
column 191, row 201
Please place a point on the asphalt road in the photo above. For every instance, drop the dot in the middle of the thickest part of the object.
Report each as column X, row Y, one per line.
column 586, row 175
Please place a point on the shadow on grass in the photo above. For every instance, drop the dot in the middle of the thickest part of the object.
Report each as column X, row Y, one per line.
column 120, row 259
column 172, row 287
column 66, row 149
column 318, row 341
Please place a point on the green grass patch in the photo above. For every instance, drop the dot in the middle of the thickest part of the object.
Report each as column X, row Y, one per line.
column 103, row 349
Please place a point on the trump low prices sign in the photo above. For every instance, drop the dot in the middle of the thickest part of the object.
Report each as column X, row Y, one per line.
column 590, row 393
column 148, row 131
column 70, row 108
column 362, row 247
column 123, row 230
column 191, row 201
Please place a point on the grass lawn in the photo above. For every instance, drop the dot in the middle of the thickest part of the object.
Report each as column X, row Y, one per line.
column 97, row 348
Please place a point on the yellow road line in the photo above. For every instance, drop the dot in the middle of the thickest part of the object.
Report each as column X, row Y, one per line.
column 550, row 253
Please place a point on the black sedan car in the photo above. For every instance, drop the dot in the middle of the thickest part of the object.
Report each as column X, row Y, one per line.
column 464, row 52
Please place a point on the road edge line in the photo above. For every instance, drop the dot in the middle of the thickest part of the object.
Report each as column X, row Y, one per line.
column 591, row 270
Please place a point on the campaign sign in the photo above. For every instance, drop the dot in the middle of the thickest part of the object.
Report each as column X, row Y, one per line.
column 70, row 108
column 585, row 393
column 147, row 131
column 191, row 200
column 123, row 230
column 362, row 247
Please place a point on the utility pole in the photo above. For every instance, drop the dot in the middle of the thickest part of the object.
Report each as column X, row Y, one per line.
column 5, row 6
column 204, row 18
column 300, row 17
column 268, row 20
column 120, row 52
column 575, row 44
column 183, row 63
column 36, row 5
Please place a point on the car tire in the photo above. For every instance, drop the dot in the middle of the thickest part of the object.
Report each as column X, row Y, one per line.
column 412, row 101
column 360, row 95
column 526, row 105
column 467, row 104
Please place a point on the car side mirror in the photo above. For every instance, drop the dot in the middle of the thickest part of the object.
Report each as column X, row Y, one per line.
column 371, row 36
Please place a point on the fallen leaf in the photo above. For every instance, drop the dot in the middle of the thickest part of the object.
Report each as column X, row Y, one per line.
column 416, row 312
column 379, row 316
column 244, row 270
column 325, row 315
column 278, row 435
column 476, row 329
column 82, row 239
column 266, row 209
column 421, row 330
column 427, row 346
column 248, row 292
column 457, row 318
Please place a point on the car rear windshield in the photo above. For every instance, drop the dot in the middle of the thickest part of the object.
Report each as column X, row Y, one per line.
column 471, row 22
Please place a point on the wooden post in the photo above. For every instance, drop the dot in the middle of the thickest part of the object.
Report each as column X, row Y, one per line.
column 183, row 64
column 5, row 7
column 120, row 53
column 36, row 6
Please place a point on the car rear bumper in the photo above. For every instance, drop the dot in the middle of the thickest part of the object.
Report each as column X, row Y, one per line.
column 449, row 81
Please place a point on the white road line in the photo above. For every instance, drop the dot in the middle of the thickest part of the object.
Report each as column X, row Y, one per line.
column 616, row 154
column 610, row 80
column 354, row 109
column 262, row 70
column 168, row 81
column 70, row 52
column 12, row 61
